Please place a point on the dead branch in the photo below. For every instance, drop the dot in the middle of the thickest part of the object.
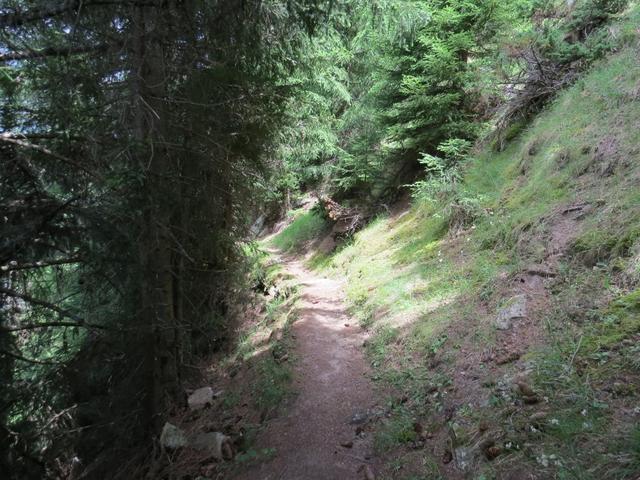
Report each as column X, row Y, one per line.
column 8, row 138
column 52, row 52
column 28, row 360
column 43, row 303
column 41, row 264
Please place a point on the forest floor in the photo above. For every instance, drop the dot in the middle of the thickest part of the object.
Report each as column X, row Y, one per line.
column 323, row 434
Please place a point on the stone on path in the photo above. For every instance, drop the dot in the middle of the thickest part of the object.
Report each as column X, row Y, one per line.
column 172, row 437
column 215, row 444
column 201, row 398
column 516, row 308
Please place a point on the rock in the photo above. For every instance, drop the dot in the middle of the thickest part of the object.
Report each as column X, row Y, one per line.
column 201, row 398
column 172, row 437
column 217, row 445
column 359, row 418
column 464, row 458
column 348, row 444
column 258, row 225
column 273, row 291
column 516, row 308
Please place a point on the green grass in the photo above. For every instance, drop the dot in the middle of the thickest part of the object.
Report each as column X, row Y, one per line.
column 306, row 226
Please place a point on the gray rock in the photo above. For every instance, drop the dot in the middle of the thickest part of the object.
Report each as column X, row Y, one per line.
column 172, row 437
column 201, row 398
column 464, row 458
column 212, row 443
column 516, row 308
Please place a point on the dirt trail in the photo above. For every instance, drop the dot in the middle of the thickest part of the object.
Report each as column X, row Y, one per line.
column 331, row 386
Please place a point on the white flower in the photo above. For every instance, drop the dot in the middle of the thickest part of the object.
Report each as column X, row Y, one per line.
column 555, row 421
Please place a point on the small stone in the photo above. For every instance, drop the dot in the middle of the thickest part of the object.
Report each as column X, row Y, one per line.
column 359, row 418
column 215, row 444
column 172, row 437
column 348, row 444
column 464, row 458
column 516, row 308
column 201, row 398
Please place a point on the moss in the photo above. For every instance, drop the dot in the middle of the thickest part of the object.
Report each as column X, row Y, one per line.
column 619, row 321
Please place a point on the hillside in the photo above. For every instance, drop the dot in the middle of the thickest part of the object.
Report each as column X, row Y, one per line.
column 503, row 310
column 320, row 239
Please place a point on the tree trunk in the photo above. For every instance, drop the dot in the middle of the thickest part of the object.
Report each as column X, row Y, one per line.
column 158, row 314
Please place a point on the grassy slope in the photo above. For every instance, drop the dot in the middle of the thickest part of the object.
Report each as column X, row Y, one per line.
column 430, row 295
column 305, row 226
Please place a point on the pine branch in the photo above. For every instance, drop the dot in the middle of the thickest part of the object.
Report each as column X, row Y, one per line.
column 8, row 138
column 53, row 52
column 19, row 18
column 46, row 263
column 36, row 326
column 28, row 360
column 43, row 303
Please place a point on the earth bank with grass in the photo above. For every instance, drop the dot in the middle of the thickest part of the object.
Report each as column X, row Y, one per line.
column 546, row 230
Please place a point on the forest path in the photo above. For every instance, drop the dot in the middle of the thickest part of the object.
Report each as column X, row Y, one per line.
column 322, row 434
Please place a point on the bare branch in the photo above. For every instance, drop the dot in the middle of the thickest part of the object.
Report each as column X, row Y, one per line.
column 36, row 326
column 19, row 18
column 42, row 303
column 8, row 138
column 53, row 52
column 46, row 263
